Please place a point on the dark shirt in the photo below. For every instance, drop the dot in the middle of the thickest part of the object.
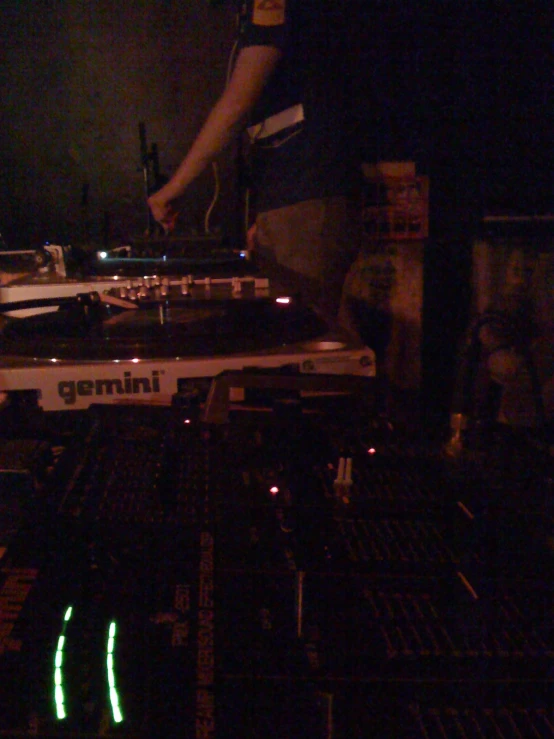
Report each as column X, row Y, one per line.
column 314, row 158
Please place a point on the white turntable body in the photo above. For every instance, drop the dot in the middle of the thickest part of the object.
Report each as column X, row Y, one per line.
column 73, row 383
column 51, row 282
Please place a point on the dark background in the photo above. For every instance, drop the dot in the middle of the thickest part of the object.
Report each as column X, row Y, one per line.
column 462, row 88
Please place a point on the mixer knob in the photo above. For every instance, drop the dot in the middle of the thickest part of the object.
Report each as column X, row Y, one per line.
column 143, row 292
column 148, row 282
column 236, row 285
column 164, row 289
column 132, row 294
column 122, row 292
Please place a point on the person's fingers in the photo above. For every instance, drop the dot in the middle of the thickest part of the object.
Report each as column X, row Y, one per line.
column 170, row 220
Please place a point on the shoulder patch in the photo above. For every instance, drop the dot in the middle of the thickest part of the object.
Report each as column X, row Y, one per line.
column 269, row 12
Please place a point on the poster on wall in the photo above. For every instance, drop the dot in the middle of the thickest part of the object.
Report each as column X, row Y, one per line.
column 384, row 287
column 395, row 202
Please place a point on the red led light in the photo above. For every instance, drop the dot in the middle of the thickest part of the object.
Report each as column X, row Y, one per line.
column 274, row 490
column 371, row 450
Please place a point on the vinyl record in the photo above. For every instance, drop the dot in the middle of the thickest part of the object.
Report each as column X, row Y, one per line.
column 161, row 329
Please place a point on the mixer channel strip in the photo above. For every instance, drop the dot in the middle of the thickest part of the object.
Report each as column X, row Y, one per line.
column 135, row 472
column 462, row 710
column 392, row 486
column 370, row 629
column 391, row 482
column 512, row 723
column 397, row 543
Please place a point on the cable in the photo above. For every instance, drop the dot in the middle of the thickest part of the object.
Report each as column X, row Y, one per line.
column 215, row 198
column 215, row 168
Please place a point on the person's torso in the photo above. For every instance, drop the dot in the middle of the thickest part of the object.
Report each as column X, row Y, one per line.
column 300, row 145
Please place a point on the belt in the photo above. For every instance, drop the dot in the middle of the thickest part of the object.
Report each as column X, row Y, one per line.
column 277, row 123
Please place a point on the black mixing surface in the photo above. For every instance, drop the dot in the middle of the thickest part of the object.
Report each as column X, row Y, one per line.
column 296, row 572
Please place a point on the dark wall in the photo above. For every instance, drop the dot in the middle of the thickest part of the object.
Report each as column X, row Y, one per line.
column 78, row 78
column 461, row 87
column 465, row 89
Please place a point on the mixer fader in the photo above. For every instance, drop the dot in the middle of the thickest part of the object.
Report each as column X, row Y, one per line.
column 298, row 570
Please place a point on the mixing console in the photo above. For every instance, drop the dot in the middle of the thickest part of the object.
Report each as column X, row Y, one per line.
column 298, row 571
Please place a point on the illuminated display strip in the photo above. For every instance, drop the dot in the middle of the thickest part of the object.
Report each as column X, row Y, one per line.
column 114, row 696
column 59, row 695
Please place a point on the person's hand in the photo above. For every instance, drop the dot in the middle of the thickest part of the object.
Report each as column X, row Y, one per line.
column 162, row 211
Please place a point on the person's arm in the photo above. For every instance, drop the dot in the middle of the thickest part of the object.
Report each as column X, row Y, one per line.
column 253, row 67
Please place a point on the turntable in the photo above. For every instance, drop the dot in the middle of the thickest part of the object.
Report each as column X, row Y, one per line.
column 153, row 338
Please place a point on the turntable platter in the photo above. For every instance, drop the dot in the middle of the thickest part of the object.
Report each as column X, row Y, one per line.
column 163, row 329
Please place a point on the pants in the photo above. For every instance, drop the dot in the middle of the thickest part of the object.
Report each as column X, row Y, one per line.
column 309, row 247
